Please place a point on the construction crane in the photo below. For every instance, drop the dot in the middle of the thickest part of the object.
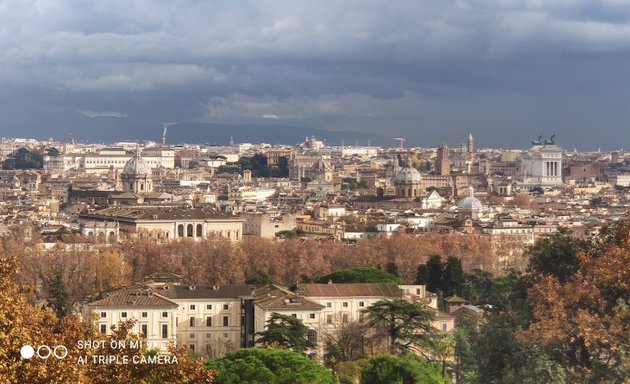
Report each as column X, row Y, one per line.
column 401, row 139
column 165, row 125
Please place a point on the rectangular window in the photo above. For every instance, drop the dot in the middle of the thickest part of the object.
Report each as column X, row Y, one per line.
column 103, row 315
column 209, row 321
column 192, row 321
column 345, row 304
column 145, row 329
column 361, row 304
column 329, row 319
column 312, row 336
column 311, row 316
column 226, row 321
column 444, row 327
column 344, row 318
column 165, row 331
column 164, row 314
column 209, row 306
column 144, row 314
column 192, row 347
column 294, row 315
column 103, row 328
column 192, row 307
column 123, row 314
column 192, row 336
column 329, row 304
column 226, row 306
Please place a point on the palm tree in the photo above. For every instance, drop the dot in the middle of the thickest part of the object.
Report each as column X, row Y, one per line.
column 443, row 346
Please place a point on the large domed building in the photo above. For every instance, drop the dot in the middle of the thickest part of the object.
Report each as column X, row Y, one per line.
column 469, row 207
column 321, row 170
column 136, row 175
column 408, row 183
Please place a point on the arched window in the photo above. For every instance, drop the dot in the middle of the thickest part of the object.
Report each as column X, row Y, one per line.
column 229, row 234
column 180, row 230
column 189, row 230
column 199, row 230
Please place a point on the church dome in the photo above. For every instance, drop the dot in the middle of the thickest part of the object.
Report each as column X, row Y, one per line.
column 408, row 175
column 136, row 166
column 470, row 202
column 321, row 165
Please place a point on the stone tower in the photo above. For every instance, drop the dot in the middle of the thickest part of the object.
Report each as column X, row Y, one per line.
column 442, row 163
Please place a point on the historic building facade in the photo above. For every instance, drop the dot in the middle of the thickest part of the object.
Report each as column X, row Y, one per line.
column 167, row 223
column 541, row 166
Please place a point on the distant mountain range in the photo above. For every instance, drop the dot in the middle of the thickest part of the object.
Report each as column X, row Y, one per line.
column 273, row 134
column 113, row 130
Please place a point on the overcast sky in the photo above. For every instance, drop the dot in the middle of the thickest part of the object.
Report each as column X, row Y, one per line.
column 429, row 71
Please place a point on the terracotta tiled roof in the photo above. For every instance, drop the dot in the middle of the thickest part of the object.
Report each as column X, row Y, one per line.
column 134, row 297
column 204, row 292
column 272, row 297
column 158, row 213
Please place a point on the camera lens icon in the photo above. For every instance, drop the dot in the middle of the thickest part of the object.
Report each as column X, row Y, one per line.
column 44, row 352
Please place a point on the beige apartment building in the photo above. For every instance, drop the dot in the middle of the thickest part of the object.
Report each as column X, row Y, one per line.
column 167, row 223
column 214, row 320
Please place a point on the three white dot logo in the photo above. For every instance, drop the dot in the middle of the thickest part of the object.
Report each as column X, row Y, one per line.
column 27, row 352
column 44, row 352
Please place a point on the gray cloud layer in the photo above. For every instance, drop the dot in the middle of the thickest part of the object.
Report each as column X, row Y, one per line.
column 427, row 70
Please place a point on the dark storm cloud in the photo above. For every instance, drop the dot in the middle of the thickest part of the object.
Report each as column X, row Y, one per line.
column 428, row 70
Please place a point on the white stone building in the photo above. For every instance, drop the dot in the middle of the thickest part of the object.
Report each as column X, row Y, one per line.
column 541, row 166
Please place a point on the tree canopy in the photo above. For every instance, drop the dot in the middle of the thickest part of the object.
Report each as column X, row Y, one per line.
column 406, row 323
column 59, row 300
column 24, row 159
column 268, row 365
column 585, row 319
column 284, row 331
column 260, row 278
column 52, row 151
column 444, row 276
column 360, row 275
column 555, row 256
column 388, row 369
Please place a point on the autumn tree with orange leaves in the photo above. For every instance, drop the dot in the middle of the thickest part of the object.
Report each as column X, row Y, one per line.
column 22, row 324
column 584, row 321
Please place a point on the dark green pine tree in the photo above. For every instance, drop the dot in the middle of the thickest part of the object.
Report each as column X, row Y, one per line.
column 59, row 296
column 453, row 279
column 392, row 268
column 435, row 271
column 422, row 276
column 285, row 331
